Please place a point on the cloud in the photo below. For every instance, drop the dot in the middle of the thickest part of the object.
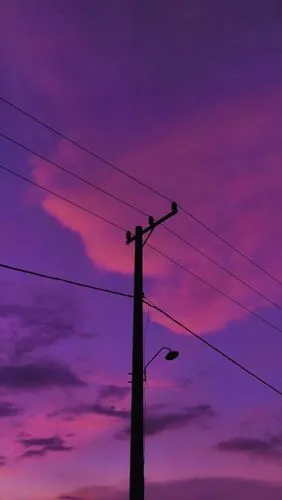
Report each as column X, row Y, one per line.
column 34, row 453
column 226, row 155
column 156, row 424
column 269, row 448
column 200, row 489
column 9, row 410
column 34, row 376
column 227, row 136
column 193, row 415
column 99, row 409
column 2, row 460
column 69, row 497
column 113, row 392
column 44, row 320
column 38, row 447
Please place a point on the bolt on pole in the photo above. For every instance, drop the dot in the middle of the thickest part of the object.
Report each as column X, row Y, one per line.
column 136, row 482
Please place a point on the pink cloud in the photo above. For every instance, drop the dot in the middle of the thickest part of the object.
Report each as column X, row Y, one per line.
column 226, row 168
column 223, row 163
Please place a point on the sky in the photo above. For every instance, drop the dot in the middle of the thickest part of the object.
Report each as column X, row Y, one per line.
column 185, row 97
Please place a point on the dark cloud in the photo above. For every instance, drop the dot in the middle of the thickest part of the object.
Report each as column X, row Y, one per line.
column 157, row 423
column 69, row 497
column 34, row 453
column 96, row 408
column 110, row 411
column 113, row 392
column 200, row 489
column 40, row 446
column 269, row 448
column 34, row 376
column 41, row 441
column 2, row 460
column 196, row 414
column 9, row 410
column 47, row 319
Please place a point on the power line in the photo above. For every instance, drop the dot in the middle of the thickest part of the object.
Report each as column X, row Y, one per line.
column 170, row 259
column 223, row 268
column 57, row 195
column 149, row 303
column 63, row 280
column 133, row 207
column 192, row 273
column 235, row 249
column 83, row 148
column 141, row 183
column 213, row 347
column 73, row 174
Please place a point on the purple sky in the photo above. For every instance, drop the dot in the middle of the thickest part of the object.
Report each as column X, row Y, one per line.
column 187, row 97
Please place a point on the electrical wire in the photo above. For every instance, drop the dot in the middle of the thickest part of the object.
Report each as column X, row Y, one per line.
column 73, row 174
column 189, row 214
column 141, row 183
column 136, row 209
column 230, row 245
column 152, row 305
column 223, row 268
column 218, row 290
column 213, row 347
column 64, row 280
column 57, row 195
column 149, row 303
column 82, row 148
column 170, row 259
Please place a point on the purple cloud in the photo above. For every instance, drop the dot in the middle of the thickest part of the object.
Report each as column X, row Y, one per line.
column 269, row 448
column 34, row 453
column 193, row 415
column 158, row 423
column 113, row 392
column 38, row 447
column 69, row 497
column 154, row 424
column 46, row 320
column 34, row 376
column 9, row 410
column 97, row 408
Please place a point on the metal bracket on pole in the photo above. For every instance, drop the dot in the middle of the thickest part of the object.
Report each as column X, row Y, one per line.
column 153, row 224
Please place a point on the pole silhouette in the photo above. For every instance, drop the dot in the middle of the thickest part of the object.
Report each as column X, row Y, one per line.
column 136, row 482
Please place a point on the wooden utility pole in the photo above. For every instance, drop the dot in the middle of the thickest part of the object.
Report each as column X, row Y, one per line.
column 136, row 486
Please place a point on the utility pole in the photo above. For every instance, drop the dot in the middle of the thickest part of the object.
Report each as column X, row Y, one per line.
column 136, row 484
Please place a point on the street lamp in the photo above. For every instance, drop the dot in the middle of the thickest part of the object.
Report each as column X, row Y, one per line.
column 170, row 356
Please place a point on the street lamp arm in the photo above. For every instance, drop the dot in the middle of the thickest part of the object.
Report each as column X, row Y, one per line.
column 157, row 353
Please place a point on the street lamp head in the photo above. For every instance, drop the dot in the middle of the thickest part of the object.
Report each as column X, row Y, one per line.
column 171, row 355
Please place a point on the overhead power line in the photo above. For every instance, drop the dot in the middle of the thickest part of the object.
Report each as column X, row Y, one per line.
column 141, row 183
column 230, row 245
column 170, row 259
column 133, row 207
column 57, row 195
column 64, row 280
column 213, row 347
column 146, row 301
column 83, row 148
column 73, row 174
column 213, row 287
column 223, row 268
